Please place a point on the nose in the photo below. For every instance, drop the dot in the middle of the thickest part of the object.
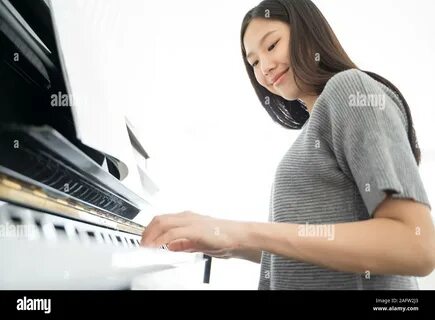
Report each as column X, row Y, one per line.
column 267, row 66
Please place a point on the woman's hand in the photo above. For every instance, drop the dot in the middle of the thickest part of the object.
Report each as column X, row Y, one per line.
column 191, row 232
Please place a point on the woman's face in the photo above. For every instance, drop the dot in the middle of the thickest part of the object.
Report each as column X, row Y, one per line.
column 267, row 46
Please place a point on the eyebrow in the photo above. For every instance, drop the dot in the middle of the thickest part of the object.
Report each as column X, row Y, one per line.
column 261, row 41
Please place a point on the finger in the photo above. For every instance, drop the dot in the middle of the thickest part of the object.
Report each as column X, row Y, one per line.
column 172, row 235
column 161, row 224
column 153, row 229
column 185, row 245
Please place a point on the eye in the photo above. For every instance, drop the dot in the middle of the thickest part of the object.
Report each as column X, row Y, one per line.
column 254, row 64
column 272, row 46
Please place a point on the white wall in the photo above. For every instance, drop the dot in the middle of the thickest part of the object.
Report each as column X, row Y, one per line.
column 213, row 148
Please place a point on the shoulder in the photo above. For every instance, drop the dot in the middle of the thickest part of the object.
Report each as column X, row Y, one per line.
column 354, row 82
column 350, row 74
column 340, row 90
column 353, row 95
column 351, row 81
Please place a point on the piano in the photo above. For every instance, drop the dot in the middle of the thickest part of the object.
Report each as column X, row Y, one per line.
column 71, row 195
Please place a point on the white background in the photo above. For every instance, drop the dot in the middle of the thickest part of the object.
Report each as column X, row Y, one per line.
column 213, row 147
column 177, row 73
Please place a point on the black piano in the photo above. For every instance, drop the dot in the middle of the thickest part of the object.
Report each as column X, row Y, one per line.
column 67, row 219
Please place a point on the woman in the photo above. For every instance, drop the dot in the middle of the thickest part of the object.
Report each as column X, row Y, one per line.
column 348, row 208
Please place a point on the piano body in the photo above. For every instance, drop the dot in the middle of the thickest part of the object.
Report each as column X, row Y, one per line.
column 70, row 193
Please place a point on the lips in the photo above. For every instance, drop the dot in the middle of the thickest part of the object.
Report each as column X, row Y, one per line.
column 276, row 78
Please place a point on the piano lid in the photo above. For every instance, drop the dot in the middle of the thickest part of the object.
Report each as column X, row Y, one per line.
column 57, row 73
column 90, row 37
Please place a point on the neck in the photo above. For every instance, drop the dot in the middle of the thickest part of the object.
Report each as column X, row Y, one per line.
column 309, row 101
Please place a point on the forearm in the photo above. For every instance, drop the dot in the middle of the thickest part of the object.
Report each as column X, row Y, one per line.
column 380, row 246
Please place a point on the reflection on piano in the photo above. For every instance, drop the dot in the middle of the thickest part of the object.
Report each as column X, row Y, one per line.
column 67, row 217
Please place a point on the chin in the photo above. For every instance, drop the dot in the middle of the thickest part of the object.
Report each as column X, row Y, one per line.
column 290, row 93
column 289, row 96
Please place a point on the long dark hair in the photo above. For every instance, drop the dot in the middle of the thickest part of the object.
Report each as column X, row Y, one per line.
column 310, row 32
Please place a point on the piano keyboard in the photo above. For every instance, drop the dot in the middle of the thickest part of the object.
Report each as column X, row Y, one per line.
column 45, row 251
column 32, row 224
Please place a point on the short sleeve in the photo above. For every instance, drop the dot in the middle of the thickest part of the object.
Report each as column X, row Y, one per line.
column 265, row 271
column 370, row 141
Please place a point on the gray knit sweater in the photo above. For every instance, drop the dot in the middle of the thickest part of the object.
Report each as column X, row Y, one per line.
column 353, row 147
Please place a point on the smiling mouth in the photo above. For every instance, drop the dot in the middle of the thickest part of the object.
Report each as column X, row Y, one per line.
column 280, row 76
